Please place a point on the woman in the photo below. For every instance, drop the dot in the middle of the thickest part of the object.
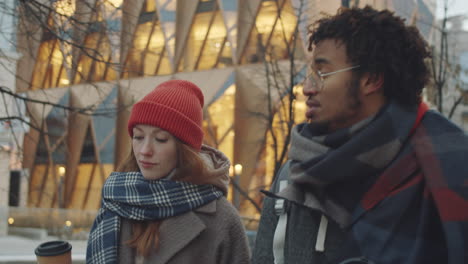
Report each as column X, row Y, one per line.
column 166, row 203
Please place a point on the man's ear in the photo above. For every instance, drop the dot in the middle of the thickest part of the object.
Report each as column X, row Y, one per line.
column 372, row 83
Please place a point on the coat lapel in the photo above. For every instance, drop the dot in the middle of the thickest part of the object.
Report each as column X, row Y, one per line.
column 177, row 232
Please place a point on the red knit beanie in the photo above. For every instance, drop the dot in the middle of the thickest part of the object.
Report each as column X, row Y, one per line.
column 175, row 106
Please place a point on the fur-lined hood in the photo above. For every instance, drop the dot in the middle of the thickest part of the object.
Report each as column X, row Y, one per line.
column 218, row 167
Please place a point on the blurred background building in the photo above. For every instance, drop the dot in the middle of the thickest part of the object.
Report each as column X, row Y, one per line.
column 77, row 66
column 454, row 41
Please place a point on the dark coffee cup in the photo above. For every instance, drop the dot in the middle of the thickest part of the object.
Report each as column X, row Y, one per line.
column 54, row 252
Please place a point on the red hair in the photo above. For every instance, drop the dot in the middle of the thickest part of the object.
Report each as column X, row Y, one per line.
column 190, row 168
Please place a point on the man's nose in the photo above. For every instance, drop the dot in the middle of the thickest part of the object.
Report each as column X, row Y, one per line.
column 310, row 88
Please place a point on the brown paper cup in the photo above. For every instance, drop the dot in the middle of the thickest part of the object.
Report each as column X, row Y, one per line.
column 54, row 252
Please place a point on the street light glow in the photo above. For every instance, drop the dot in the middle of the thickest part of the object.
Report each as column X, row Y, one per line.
column 61, row 170
column 238, row 169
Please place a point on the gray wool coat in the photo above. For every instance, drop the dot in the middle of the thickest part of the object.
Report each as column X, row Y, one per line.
column 212, row 233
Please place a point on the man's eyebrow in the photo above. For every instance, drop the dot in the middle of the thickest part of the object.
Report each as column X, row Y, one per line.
column 320, row 60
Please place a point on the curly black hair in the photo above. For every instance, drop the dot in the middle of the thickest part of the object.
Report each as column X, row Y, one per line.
column 381, row 43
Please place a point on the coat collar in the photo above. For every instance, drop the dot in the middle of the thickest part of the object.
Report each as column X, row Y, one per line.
column 178, row 231
column 209, row 208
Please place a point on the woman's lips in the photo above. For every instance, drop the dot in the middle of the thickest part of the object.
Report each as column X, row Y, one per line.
column 146, row 164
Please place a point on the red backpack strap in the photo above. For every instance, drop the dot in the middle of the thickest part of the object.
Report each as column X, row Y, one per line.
column 392, row 177
column 422, row 109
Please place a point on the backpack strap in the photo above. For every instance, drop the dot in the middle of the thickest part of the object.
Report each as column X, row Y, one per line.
column 321, row 235
column 279, row 237
column 422, row 109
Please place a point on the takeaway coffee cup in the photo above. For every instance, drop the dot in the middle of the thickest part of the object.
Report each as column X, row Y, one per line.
column 54, row 252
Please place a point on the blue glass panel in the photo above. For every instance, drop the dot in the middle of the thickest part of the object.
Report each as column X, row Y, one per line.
column 104, row 121
column 464, row 68
column 230, row 81
column 166, row 10
column 57, row 124
column 87, row 152
column 229, row 5
column 404, row 8
column 425, row 19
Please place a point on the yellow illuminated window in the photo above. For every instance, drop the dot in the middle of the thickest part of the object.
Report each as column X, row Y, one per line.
column 65, row 8
column 220, row 123
column 207, row 46
column 96, row 62
column 271, row 35
column 148, row 55
column 49, row 69
column 213, row 45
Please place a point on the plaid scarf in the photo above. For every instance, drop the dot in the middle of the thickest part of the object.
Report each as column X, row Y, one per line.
column 400, row 191
column 331, row 172
column 129, row 195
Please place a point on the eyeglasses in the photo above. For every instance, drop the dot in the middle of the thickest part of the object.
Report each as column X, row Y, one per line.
column 316, row 78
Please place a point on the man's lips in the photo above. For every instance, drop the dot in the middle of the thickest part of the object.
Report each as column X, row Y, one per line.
column 312, row 108
column 312, row 103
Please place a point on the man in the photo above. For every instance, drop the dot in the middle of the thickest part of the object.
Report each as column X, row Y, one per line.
column 373, row 177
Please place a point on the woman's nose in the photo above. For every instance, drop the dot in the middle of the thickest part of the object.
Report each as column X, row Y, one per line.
column 146, row 148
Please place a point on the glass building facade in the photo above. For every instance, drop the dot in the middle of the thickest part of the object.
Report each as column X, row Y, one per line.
column 93, row 59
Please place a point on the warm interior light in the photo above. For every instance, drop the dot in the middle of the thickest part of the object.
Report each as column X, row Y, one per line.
column 68, row 223
column 115, row 3
column 61, row 170
column 65, row 7
column 11, row 220
column 238, row 169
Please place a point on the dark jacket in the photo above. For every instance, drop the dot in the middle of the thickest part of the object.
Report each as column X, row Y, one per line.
column 302, row 229
column 416, row 211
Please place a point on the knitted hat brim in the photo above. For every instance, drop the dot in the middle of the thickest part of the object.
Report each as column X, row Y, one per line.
column 168, row 119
